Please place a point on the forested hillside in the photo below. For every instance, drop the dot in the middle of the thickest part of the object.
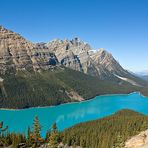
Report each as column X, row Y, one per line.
column 109, row 132
column 26, row 89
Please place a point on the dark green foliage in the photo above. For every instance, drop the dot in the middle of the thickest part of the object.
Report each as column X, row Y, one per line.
column 88, row 86
column 35, row 136
column 33, row 89
column 27, row 89
column 108, row 132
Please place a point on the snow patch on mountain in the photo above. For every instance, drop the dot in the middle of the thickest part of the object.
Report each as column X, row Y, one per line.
column 127, row 80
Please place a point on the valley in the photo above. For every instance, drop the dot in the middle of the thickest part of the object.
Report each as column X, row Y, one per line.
column 74, row 87
column 69, row 114
column 74, row 74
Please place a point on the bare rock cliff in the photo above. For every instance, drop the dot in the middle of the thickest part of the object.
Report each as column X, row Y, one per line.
column 16, row 53
column 138, row 141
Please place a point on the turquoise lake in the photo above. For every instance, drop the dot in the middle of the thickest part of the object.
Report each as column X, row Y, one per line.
column 67, row 115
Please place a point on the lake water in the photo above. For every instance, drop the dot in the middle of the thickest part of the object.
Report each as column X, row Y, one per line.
column 67, row 115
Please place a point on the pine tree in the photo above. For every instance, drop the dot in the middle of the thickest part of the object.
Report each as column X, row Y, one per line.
column 36, row 132
column 54, row 137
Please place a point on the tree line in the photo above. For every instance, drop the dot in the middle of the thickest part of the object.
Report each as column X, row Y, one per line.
column 32, row 139
column 108, row 132
column 26, row 89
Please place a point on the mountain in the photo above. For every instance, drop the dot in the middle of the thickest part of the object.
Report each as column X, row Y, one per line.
column 79, row 55
column 16, row 53
column 62, row 85
column 40, row 74
column 100, row 63
column 145, row 77
column 142, row 74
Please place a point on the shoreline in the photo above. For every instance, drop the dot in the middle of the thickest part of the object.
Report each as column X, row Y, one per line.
column 11, row 109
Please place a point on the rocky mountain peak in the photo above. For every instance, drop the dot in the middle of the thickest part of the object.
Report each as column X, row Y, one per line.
column 16, row 53
column 101, row 55
column 77, row 41
column 102, row 50
column 104, row 58
column 2, row 28
column 19, row 54
column 97, row 63
column 72, row 61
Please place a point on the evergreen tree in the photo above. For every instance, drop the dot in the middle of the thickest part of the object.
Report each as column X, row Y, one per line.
column 36, row 132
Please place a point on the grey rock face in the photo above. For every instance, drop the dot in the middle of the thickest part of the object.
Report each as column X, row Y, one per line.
column 83, row 58
column 108, row 63
column 72, row 61
column 73, row 54
column 42, row 58
column 16, row 53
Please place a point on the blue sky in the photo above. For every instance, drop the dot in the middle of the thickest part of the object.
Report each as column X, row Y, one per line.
column 119, row 26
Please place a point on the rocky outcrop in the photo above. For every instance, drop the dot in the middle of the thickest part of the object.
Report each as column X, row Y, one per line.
column 72, row 51
column 102, row 57
column 138, row 141
column 42, row 58
column 72, row 61
column 100, row 63
column 16, row 53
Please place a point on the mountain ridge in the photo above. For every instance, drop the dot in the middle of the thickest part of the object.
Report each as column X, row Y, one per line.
column 41, row 74
column 76, row 54
column 17, row 53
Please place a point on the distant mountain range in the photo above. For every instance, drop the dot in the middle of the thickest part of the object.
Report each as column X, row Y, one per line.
column 142, row 74
column 20, row 57
column 144, row 77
